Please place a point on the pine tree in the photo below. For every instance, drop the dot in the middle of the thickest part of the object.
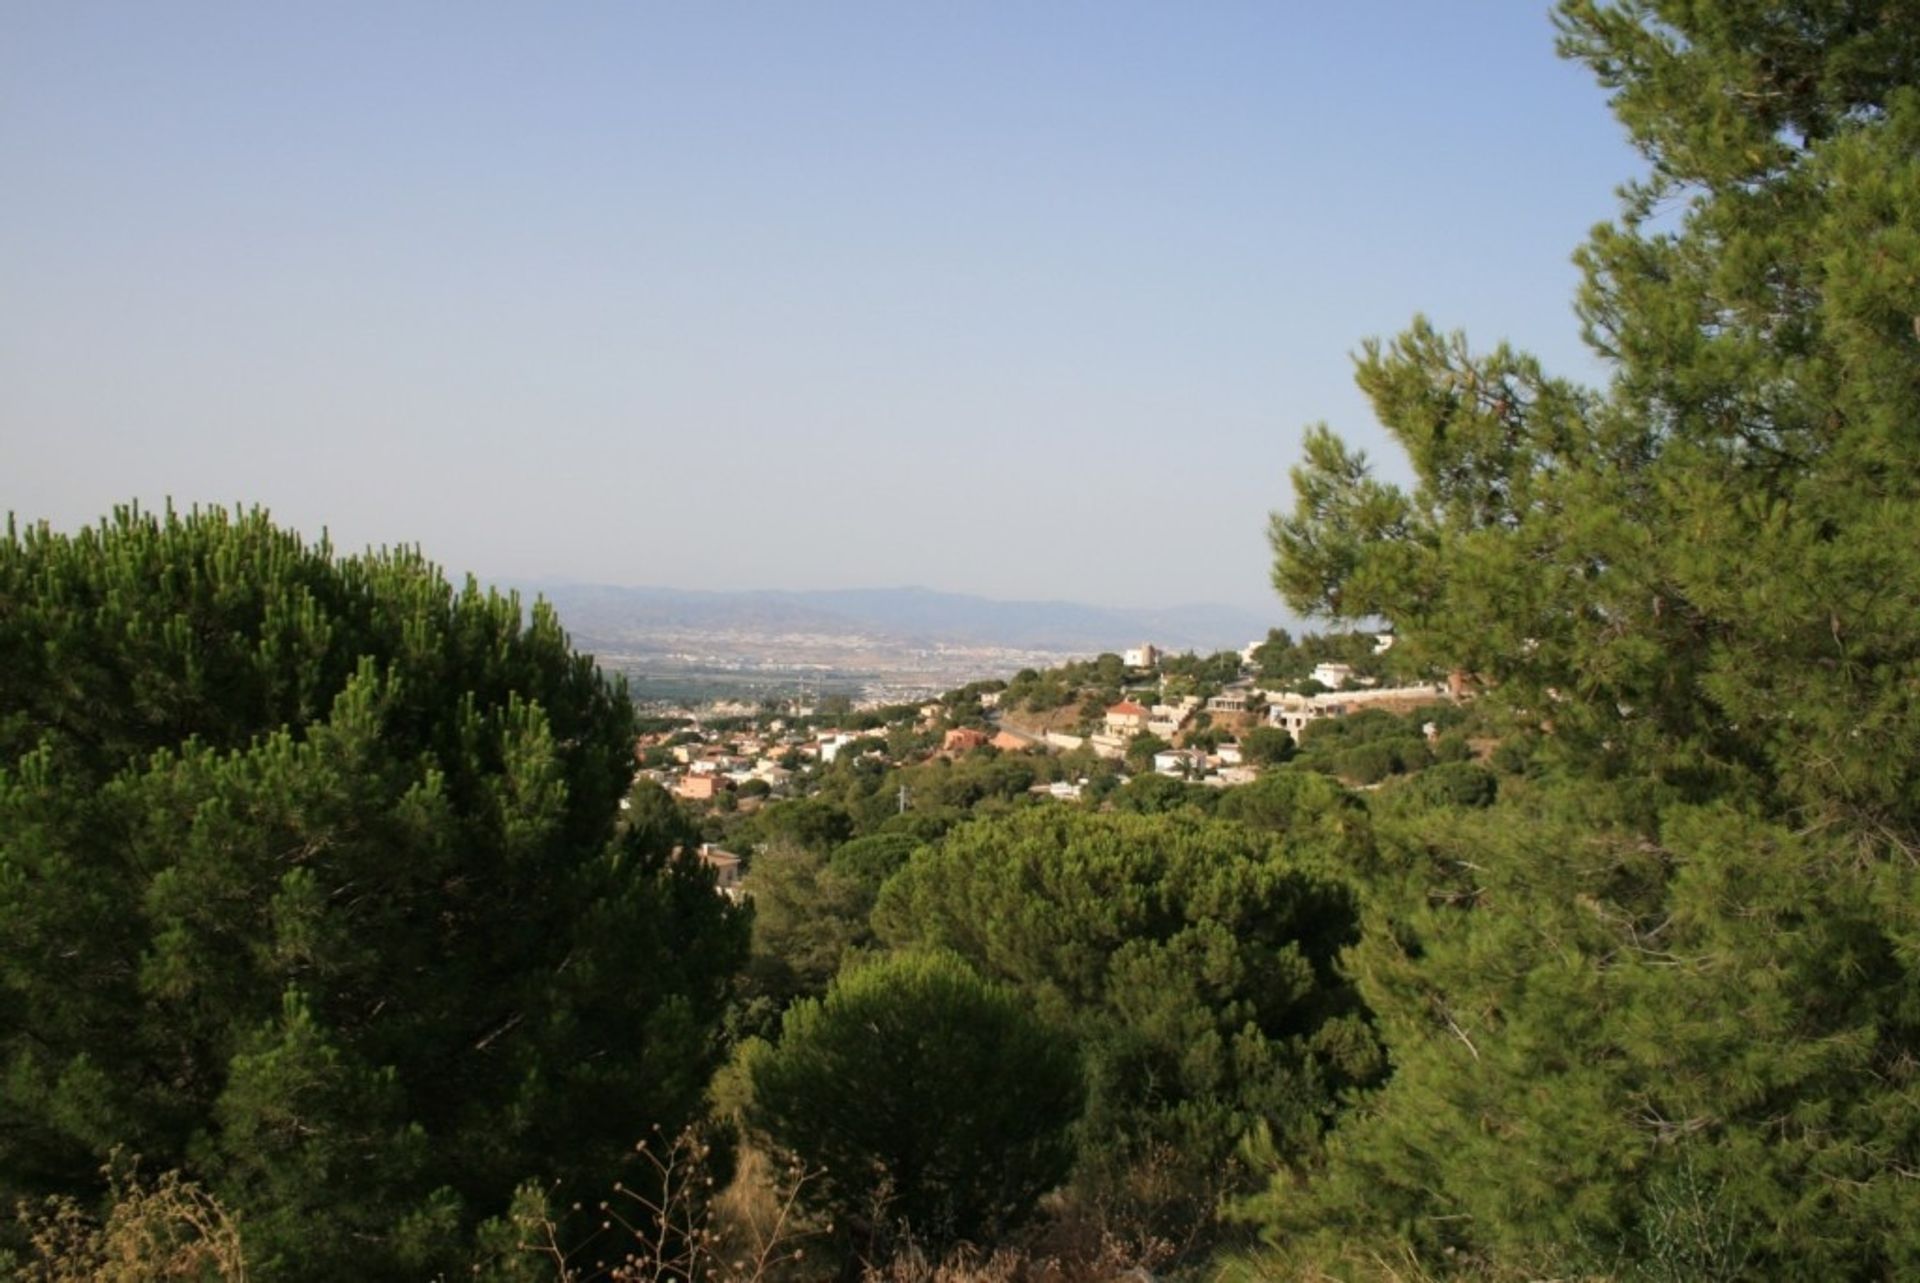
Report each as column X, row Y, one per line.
column 932, row 1104
column 1652, row 1014
column 310, row 885
column 1191, row 960
column 1709, row 568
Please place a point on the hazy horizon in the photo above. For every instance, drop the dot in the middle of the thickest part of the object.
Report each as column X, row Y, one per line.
column 1023, row 303
column 1274, row 607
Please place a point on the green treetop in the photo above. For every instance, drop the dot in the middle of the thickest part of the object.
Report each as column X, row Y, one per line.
column 1650, row 1006
column 929, row 1101
column 1708, row 568
column 310, row 884
column 1192, row 960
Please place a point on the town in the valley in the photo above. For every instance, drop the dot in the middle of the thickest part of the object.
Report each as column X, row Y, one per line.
column 1081, row 733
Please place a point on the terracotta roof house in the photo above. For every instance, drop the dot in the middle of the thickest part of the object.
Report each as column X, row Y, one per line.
column 702, row 788
column 726, row 868
column 962, row 738
column 1126, row 718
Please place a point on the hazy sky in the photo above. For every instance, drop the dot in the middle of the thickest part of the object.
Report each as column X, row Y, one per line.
column 1030, row 300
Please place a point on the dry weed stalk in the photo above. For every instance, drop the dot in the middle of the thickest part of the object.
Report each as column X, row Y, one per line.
column 962, row 1265
column 1067, row 1248
column 165, row 1229
column 669, row 1231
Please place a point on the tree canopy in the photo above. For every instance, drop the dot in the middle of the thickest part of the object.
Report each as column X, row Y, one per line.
column 1649, row 1002
column 1194, row 962
column 929, row 1101
column 1707, row 568
column 310, row 885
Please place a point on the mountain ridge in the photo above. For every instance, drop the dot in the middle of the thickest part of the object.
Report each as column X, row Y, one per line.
column 911, row 615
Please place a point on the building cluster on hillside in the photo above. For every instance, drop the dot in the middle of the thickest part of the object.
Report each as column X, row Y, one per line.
column 1341, row 693
column 1294, row 712
column 1127, row 719
column 700, row 764
column 740, row 767
column 764, row 760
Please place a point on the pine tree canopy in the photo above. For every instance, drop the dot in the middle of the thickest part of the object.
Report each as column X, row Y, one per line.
column 1708, row 568
column 929, row 1102
column 1653, row 1014
column 1193, row 961
column 310, row 884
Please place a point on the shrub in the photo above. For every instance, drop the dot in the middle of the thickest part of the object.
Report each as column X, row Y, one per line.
column 928, row 1098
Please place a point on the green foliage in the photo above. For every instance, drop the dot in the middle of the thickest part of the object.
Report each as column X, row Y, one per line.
column 1193, row 961
column 1141, row 749
column 1706, row 571
column 1311, row 811
column 656, row 819
column 1273, row 658
column 1369, row 725
column 1038, row 692
column 932, row 1101
column 1204, row 736
column 1266, row 746
column 1283, row 661
column 310, row 886
column 871, row 860
column 921, row 826
column 1153, row 794
column 1518, row 755
column 1367, row 746
column 1206, row 672
column 808, row 918
column 864, row 797
column 816, row 824
column 1365, row 763
column 1696, row 1036
column 1455, row 784
column 1651, row 1014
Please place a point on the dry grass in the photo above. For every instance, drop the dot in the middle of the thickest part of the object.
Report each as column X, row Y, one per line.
column 1027, row 722
column 167, row 1229
column 674, row 1227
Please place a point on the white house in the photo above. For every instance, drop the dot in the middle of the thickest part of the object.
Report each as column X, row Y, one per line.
column 1291, row 713
column 1173, row 761
column 1333, row 676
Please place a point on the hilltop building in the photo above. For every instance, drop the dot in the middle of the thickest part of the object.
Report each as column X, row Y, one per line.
column 1127, row 718
column 1333, row 676
column 1293, row 712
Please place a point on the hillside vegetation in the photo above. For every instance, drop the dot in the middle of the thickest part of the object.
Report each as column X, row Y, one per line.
column 317, row 893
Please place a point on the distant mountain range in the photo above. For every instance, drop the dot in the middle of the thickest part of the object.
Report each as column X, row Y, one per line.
column 599, row 616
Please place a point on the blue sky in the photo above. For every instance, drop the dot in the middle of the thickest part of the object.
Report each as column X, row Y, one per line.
column 1023, row 300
